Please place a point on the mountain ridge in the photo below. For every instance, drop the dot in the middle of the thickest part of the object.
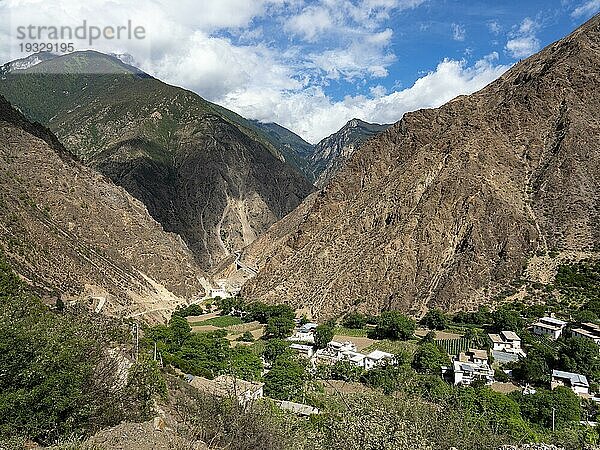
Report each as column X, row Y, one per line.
column 71, row 233
column 446, row 206
column 196, row 166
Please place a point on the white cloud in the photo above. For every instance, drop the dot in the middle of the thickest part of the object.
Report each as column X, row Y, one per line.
column 311, row 22
column 587, row 9
column 290, row 108
column 458, row 32
column 494, row 27
column 282, row 81
column 523, row 41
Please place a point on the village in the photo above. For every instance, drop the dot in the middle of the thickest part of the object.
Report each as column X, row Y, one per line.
column 489, row 359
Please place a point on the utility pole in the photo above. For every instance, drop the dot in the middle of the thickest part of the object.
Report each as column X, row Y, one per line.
column 553, row 414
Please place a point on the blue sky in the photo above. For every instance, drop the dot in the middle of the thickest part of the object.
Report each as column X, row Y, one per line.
column 311, row 65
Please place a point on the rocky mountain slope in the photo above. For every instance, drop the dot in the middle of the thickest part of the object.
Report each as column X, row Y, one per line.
column 294, row 150
column 330, row 155
column 202, row 171
column 71, row 232
column 446, row 206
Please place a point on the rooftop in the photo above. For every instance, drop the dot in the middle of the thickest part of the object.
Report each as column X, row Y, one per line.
column 552, row 321
column 574, row 378
column 378, row 354
column 511, row 336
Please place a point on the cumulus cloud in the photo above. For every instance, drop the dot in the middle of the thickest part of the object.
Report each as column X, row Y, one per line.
column 523, row 41
column 450, row 79
column 224, row 53
column 587, row 9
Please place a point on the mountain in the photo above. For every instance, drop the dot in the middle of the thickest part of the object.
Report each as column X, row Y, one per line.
column 329, row 155
column 202, row 171
column 446, row 207
column 318, row 163
column 294, row 150
column 71, row 233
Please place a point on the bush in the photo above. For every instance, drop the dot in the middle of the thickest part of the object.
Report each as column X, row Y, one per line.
column 429, row 358
column 55, row 377
column 145, row 384
column 354, row 320
column 435, row 319
column 323, row 336
column 394, row 325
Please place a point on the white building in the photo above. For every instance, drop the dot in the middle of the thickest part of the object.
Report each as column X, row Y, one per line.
column 576, row 382
column 549, row 326
column 588, row 331
column 470, row 366
column 302, row 337
column 335, row 351
column 308, row 328
column 506, row 341
column 355, row 358
column 304, row 350
column 378, row 358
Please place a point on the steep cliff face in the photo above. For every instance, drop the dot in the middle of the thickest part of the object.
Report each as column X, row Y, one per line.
column 330, row 155
column 446, row 206
column 200, row 169
column 71, row 232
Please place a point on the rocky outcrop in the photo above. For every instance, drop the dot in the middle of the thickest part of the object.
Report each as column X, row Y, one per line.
column 71, row 233
column 330, row 155
column 446, row 206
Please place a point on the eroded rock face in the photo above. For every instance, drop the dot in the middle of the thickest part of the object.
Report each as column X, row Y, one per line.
column 199, row 169
column 330, row 155
column 446, row 206
column 70, row 232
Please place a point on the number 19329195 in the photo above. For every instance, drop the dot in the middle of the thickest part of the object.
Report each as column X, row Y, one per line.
column 58, row 47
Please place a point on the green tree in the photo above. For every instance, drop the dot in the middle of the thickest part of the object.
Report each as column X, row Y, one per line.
column 180, row 329
column 323, row 336
column 275, row 348
column 435, row 319
column 429, row 358
column 279, row 327
column 145, row 383
column 246, row 337
column 536, row 368
column 204, row 354
column 244, row 364
column 507, row 320
column 394, row 325
column 354, row 320
column 538, row 407
column 285, row 380
column 345, row 371
column 579, row 355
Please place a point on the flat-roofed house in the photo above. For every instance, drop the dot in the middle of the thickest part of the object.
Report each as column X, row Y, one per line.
column 470, row 366
column 576, row 382
column 304, row 350
column 589, row 331
column 378, row 358
column 506, row 341
column 549, row 326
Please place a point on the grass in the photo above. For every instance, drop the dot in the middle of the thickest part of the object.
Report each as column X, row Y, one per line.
column 354, row 332
column 220, row 322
